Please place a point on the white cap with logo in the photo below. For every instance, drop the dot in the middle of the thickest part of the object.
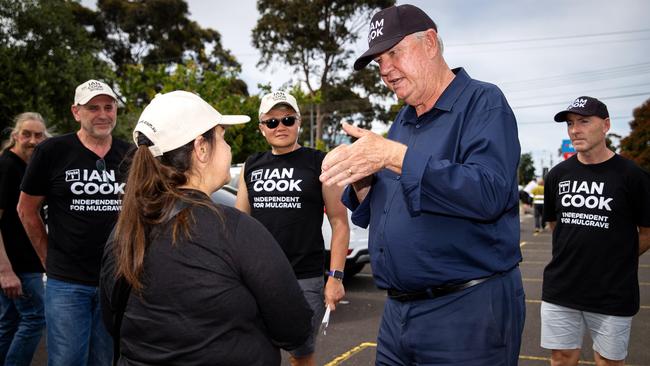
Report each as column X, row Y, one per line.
column 90, row 89
column 173, row 119
column 272, row 99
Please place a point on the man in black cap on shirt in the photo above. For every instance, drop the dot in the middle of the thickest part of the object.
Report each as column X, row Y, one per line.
column 598, row 205
column 440, row 198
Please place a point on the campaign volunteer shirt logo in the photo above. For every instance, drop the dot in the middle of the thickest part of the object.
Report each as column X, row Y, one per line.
column 85, row 182
column 585, row 195
column 279, row 181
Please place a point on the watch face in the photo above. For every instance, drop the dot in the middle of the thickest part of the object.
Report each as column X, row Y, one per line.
column 337, row 274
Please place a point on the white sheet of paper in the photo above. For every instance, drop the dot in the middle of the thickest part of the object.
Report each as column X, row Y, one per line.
column 326, row 320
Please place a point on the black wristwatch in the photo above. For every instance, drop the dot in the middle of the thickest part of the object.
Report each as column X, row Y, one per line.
column 336, row 274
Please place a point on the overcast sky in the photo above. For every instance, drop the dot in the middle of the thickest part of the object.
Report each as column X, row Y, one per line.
column 542, row 54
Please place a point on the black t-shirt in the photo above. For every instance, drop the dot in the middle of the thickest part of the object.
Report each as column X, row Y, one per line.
column 83, row 203
column 224, row 296
column 285, row 195
column 597, row 209
column 19, row 249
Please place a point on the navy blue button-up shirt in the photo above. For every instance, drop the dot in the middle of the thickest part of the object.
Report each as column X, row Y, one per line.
column 452, row 215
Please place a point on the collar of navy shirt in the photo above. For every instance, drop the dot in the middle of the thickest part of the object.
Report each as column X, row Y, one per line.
column 446, row 100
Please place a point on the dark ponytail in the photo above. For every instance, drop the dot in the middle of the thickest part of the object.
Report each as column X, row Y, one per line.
column 152, row 191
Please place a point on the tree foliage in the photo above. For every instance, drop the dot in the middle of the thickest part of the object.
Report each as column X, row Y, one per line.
column 636, row 145
column 314, row 38
column 44, row 55
column 526, row 169
column 152, row 32
column 48, row 47
column 140, row 84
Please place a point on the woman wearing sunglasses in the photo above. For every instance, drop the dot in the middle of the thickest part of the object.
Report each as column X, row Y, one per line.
column 208, row 284
column 281, row 189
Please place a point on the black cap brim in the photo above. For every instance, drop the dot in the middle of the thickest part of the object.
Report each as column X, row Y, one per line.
column 561, row 116
column 378, row 48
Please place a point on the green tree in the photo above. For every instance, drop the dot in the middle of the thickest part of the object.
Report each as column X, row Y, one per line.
column 221, row 89
column 44, row 55
column 526, row 169
column 314, row 39
column 609, row 141
column 636, row 145
column 155, row 32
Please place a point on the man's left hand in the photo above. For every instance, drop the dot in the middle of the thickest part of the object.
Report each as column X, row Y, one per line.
column 334, row 292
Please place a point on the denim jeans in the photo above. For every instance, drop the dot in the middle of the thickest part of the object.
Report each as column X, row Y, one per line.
column 22, row 321
column 76, row 335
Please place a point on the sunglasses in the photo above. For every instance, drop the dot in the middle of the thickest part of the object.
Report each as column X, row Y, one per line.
column 274, row 122
column 100, row 164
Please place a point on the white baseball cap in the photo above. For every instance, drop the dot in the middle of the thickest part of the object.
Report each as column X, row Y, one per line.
column 272, row 99
column 173, row 119
column 90, row 89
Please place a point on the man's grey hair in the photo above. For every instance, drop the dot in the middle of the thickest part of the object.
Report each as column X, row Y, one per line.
column 422, row 34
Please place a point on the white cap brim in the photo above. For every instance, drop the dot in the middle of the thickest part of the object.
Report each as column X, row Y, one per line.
column 174, row 119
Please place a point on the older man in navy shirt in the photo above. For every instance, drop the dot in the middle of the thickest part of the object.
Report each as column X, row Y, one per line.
column 440, row 197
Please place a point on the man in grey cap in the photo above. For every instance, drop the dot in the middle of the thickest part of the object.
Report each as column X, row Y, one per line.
column 79, row 176
column 440, row 196
column 598, row 205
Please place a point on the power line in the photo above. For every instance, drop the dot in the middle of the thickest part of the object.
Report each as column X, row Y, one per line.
column 555, row 46
column 550, row 121
column 587, row 91
column 547, row 38
column 570, row 94
column 632, row 68
column 564, row 102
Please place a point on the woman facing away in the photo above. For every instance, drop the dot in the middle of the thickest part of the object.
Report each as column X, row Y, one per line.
column 209, row 284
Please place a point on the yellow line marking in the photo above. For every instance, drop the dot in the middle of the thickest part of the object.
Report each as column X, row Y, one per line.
column 547, row 359
column 350, row 353
column 644, row 307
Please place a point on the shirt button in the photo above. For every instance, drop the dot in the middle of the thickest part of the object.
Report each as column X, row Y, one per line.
column 398, row 177
column 418, row 125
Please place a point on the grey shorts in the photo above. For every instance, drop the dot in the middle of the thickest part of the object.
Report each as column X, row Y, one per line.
column 312, row 288
column 563, row 328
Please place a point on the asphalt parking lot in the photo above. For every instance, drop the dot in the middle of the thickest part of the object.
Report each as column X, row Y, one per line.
column 351, row 335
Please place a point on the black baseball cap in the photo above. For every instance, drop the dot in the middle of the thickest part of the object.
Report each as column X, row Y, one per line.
column 584, row 106
column 389, row 26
